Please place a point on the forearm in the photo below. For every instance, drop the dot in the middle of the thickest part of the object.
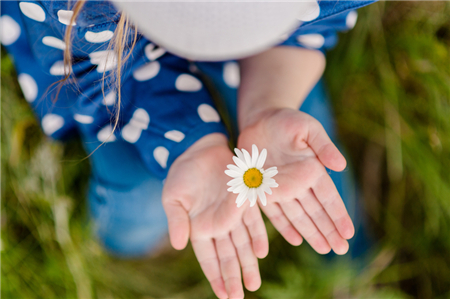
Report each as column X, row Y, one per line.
column 281, row 77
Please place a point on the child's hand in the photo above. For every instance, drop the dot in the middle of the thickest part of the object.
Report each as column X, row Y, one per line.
column 198, row 206
column 306, row 202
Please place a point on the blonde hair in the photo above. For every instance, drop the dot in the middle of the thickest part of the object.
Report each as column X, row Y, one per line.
column 117, row 44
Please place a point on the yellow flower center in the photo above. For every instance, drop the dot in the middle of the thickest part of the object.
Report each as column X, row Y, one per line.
column 253, row 178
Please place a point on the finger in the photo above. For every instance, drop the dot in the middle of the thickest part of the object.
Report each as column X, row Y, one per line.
column 229, row 266
column 305, row 226
column 247, row 258
column 328, row 196
column 281, row 223
column 178, row 221
column 324, row 148
column 257, row 230
column 323, row 222
column 209, row 262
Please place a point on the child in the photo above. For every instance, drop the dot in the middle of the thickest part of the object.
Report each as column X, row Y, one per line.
column 169, row 129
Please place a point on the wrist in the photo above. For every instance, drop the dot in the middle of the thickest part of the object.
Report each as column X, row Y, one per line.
column 249, row 118
column 279, row 78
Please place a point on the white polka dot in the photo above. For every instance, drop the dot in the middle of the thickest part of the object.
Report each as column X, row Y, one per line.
column 9, row 30
column 28, row 86
column 83, row 119
column 54, row 42
column 33, row 11
column 106, row 60
column 140, row 119
column 161, row 155
column 147, row 71
column 231, row 74
column 188, row 83
column 57, row 69
column 131, row 133
column 174, row 135
column 104, row 135
column 109, row 99
column 98, row 37
column 138, row 122
column 310, row 11
column 350, row 20
column 208, row 114
column 52, row 123
column 64, row 17
column 152, row 52
column 313, row 40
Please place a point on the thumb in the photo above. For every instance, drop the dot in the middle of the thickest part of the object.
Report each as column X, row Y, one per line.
column 178, row 220
column 323, row 147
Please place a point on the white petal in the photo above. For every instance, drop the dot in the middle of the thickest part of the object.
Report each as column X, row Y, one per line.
column 267, row 190
column 242, row 197
column 271, row 168
column 235, row 168
column 239, row 154
column 240, row 188
column 253, row 197
column 248, row 159
column 267, row 180
column 232, row 173
column 273, row 184
column 240, row 163
column 235, row 182
column 254, row 155
column 261, row 159
column 262, row 196
column 270, row 173
column 234, row 187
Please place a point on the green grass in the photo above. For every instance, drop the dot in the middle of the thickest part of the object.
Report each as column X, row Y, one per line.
column 389, row 79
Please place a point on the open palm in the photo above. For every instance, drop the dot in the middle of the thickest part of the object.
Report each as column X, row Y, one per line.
column 306, row 203
column 225, row 238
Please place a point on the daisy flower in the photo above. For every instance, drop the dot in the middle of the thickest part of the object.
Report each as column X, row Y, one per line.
column 250, row 180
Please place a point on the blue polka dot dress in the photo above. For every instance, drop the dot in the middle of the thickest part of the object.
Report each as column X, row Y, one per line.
column 165, row 105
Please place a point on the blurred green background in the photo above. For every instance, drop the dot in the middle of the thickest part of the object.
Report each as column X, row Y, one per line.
column 389, row 79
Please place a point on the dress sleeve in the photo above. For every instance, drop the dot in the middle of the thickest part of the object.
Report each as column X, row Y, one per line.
column 321, row 33
column 164, row 107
